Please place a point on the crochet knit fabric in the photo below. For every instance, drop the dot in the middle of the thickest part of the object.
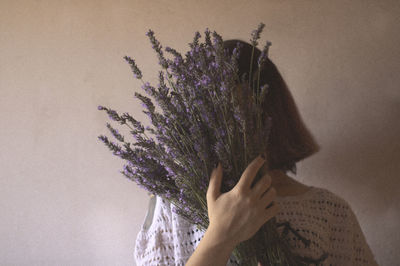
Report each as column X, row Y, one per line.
column 318, row 215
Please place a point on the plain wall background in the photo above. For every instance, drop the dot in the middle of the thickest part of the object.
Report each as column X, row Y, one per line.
column 62, row 198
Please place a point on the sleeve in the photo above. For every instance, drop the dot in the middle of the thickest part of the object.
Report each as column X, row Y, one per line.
column 361, row 252
column 154, row 240
column 345, row 242
column 165, row 237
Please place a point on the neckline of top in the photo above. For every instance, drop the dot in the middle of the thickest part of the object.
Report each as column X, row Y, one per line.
column 305, row 194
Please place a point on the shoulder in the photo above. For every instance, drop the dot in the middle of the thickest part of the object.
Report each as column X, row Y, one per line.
column 332, row 201
column 349, row 244
column 320, row 202
column 155, row 241
column 318, row 196
column 336, row 208
column 158, row 215
column 318, row 208
column 328, row 198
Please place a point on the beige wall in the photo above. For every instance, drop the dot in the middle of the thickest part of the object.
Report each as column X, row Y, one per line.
column 62, row 198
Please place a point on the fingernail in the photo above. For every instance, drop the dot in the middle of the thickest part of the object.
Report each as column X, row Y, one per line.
column 216, row 165
column 263, row 156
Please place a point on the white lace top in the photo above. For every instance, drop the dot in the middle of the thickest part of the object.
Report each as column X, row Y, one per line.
column 318, row 215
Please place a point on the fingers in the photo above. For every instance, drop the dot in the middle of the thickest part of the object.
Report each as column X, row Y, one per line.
column 262, row 185
column 268, row 197
column 250, row 172
column 214, row 187
column 271, row 211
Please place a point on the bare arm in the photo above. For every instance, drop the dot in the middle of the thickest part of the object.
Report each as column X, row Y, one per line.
column 211, row 251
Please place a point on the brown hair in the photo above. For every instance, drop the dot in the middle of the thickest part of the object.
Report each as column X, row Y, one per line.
column 289, row 141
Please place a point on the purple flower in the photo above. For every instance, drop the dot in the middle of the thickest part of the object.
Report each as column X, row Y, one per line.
column 113, row 115
column 135, row 69
column 197, row 147
column 115, row 133
column 169, row 170
column 223, row 88
column 256, row 34
column 264, row 54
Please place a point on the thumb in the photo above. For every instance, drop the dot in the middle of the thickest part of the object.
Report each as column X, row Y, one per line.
column 214, row 187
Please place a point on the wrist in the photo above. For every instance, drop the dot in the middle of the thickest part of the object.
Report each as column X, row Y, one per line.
column 213, row 235
column 212, row 250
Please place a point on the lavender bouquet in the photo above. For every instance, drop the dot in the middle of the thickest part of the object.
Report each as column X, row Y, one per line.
column 208, row 115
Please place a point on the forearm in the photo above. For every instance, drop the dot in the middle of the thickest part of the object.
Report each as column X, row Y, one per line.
column 211, row 251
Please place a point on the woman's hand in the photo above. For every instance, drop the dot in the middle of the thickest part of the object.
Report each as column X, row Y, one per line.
column 235, row 216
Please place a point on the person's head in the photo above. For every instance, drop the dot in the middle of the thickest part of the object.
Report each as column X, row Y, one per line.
column 289, row 141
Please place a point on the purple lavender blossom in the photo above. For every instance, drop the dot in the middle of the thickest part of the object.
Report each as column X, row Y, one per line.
column 157, row 47
column 135, row 69
column 264, row 54
column 236, row 50
column 255, row 34
column 113, row 115
column 115, row 133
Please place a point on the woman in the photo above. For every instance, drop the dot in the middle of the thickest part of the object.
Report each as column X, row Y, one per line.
column 313, row 213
